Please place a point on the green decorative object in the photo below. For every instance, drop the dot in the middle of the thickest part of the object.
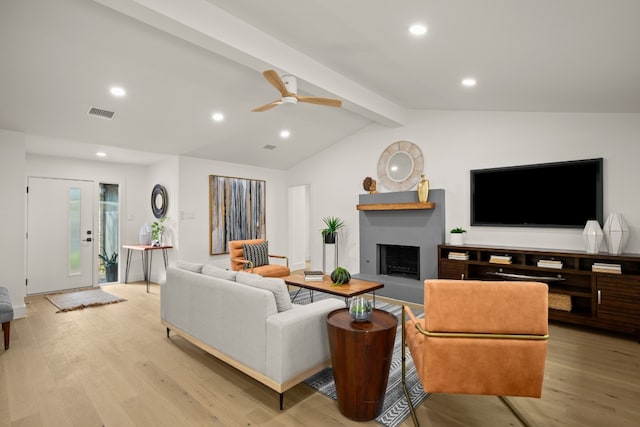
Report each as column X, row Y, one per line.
column 340, row 276
column 360, row 309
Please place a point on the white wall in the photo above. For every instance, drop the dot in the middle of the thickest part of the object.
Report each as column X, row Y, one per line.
column 186, row 181
column 452, row 143
column 165, row 173
column 135, row 200
column 12, row 218
column 298, row 227
column 194, row 207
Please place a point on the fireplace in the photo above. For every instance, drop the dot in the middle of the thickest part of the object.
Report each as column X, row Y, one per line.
column 415, row 232
column 399, row 261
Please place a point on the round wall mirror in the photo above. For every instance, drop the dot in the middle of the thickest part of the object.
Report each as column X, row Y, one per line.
column 400, row 166
column 159, row 201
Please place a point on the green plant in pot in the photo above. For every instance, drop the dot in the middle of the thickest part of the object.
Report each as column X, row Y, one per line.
column 456, row 235
column 340, row 276
column 110, row 266
column 157, row 228
column 332, row 225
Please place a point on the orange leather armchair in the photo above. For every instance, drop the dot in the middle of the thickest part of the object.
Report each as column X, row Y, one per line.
column 238, row 261
column 479, row 337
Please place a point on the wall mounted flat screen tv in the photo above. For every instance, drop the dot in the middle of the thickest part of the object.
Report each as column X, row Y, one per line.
column 556, row 195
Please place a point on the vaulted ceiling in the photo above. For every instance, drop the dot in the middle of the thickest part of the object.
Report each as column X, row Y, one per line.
column 181, row 61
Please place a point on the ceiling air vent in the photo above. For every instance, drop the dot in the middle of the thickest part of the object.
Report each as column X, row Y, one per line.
column 270, row 147
column 99, row 112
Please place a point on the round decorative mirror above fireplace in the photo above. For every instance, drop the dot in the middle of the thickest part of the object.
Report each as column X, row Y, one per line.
column 400, row 166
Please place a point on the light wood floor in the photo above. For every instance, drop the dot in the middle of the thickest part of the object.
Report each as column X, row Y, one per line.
column 113, row 366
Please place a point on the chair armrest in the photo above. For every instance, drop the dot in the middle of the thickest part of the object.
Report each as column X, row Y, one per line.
column 281, row 257
column 409, row 313
column 245, row 262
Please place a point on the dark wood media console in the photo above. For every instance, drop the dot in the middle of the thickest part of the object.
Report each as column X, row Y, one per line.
column 598, row 299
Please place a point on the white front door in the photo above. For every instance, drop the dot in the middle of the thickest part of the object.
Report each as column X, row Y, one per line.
column 59, row 234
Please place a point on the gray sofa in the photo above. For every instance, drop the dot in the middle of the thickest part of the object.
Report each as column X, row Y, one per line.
column 248, row 322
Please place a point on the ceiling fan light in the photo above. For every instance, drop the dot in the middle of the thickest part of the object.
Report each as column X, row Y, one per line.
column 289, row 100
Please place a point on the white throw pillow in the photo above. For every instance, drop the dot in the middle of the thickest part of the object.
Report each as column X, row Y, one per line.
column 221, row 273
column 273, row 284
column 190, row 266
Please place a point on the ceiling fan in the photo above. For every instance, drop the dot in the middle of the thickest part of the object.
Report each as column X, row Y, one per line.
column 287, row 85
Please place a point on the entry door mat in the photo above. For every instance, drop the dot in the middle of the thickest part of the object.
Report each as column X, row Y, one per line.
column 395, row 409
column 78, row 300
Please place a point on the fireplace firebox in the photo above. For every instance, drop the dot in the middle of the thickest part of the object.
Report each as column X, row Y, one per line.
column 399, row 261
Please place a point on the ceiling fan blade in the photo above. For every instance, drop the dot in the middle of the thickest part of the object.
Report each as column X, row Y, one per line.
column 267, row 106
column 275, row 80
column 328, row 102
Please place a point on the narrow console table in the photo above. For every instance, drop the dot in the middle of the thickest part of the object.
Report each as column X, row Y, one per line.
column 361, row 354
column 147, row 259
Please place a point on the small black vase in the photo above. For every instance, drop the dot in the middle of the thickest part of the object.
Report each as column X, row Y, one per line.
column 330, row 238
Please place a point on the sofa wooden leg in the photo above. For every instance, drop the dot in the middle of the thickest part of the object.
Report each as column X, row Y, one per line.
column 281, row 401
column 6, row 328
column 168, row 330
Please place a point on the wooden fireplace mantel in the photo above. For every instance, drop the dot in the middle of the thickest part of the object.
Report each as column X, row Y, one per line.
column 395, row 206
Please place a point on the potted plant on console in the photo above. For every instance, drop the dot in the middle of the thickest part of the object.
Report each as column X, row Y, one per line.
column 332, row 225
column 457, row 235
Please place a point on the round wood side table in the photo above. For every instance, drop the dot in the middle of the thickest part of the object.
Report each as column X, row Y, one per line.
column 361, row 355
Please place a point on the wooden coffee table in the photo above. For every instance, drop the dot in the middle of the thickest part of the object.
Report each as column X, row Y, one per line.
column 346, row 290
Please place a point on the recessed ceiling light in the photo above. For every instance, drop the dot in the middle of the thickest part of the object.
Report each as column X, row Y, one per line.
column 101, row 154
column 469, row 82
column 217, row 117
column 117, row 91
column 418, row 29
column 284, row 134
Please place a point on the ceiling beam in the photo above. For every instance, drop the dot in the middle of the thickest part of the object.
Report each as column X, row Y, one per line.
column 205, row 25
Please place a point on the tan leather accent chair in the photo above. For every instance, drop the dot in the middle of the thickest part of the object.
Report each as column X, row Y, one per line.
column 479, row 337
column 239, row 263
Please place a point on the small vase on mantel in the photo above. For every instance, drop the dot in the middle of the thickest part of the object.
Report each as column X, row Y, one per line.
column 423, row 189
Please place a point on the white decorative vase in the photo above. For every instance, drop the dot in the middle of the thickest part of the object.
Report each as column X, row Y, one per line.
column 616, row 233
column 144, row 237
column 457, row 239
column 593, row 236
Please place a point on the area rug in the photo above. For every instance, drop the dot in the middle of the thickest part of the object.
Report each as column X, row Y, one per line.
column 78, row 300
column 395, row 409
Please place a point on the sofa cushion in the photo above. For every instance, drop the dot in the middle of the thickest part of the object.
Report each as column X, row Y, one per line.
column 257, row 253
column 190, row 266
column 221, row 273
column 275, row 285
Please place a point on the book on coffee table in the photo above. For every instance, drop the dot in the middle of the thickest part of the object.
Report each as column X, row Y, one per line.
column 313, row 275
